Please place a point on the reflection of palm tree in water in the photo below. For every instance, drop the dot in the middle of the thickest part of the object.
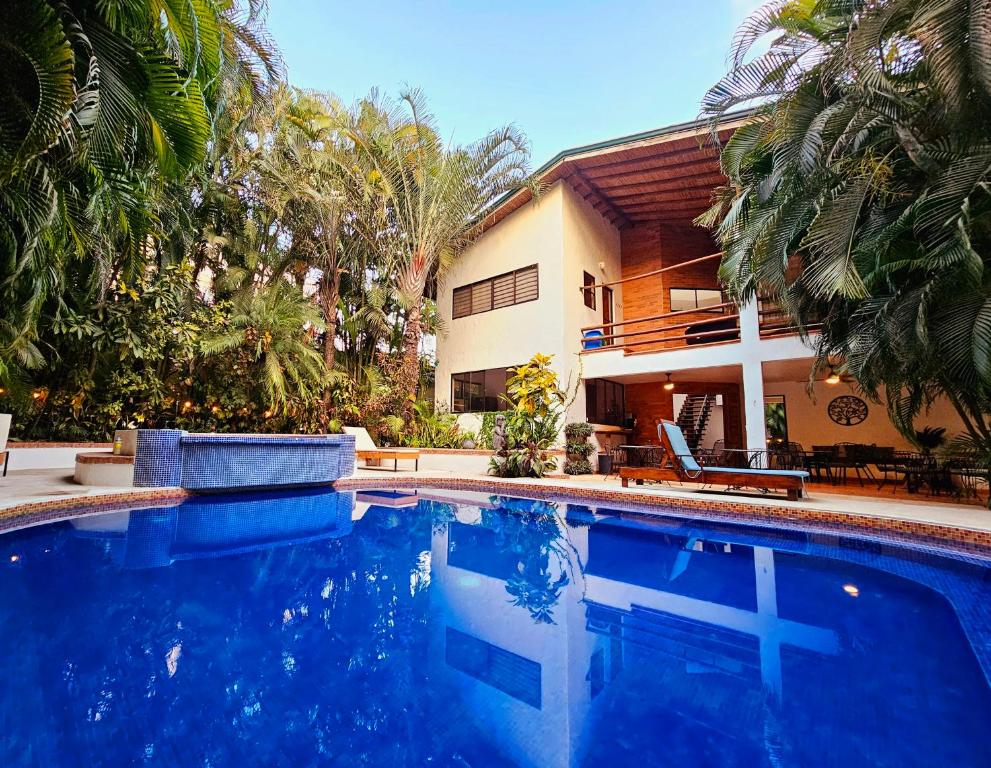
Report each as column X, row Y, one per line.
column 531, row 531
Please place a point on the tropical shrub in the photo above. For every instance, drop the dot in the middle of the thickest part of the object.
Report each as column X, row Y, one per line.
column 165, row 198
column 432, row 428
column 578, row 431
column 930, row 438
column 534, row 424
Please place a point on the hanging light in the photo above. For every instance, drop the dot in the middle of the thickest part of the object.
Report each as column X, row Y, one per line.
column 669, row 385
column 833, row 377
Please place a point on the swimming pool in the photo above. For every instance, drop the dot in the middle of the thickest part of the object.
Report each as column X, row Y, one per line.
column 435, row 628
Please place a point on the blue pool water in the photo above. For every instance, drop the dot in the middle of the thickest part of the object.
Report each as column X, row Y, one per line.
column 390, row 629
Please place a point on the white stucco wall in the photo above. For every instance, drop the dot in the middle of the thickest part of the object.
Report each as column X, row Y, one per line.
column 591, row 244
column 511, row 335
column 565, row 237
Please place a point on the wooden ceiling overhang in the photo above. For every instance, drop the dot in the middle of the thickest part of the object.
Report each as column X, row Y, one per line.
column 664, row 176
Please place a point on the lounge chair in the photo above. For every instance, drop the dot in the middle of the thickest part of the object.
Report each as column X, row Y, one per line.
column 681, row 466
column 4, row 433
column 366, row 449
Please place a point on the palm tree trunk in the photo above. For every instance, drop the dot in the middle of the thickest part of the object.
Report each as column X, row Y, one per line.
column 407, row 375
column 330, row 293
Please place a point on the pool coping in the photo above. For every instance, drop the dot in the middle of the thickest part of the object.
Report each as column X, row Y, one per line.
column 941, row 536
column 944, row 537
column 52, row 510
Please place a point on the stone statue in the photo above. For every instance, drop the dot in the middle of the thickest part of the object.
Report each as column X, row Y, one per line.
column 499, row 434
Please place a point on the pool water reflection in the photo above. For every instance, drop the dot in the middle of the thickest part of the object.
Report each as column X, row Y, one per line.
column 397, row 630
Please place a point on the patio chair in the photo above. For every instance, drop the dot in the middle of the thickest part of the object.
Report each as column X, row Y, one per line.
column 679, row 464
column 366, row 450
column 4, row 434
column 857, row 457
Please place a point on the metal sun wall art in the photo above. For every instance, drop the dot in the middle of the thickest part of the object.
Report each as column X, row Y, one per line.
column 847, row 410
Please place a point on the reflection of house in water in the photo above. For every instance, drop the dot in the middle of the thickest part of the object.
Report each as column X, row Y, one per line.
column 706, row 608
column 670, row 646
column 213, row 526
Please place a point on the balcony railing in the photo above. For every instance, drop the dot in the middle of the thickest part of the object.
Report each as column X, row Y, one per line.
column 774, row 321
column 669, row 330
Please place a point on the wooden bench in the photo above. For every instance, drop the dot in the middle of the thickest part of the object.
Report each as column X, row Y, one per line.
column 366, row 450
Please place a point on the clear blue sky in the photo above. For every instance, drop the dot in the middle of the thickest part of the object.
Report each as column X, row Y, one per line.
column 567, row 73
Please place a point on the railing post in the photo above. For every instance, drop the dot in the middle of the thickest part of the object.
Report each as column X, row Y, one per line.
column 750, row 323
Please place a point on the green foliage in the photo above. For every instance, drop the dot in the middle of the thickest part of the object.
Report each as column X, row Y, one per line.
column 578, row 448
column 524, row 459
column 185, row 240
column 154, row 357
column 534, row 424
column 105, row 106
column 930, row 438
column 577, row 431
column 577, row 467
column 435, row 193
column 432, row 428
column 858, row 192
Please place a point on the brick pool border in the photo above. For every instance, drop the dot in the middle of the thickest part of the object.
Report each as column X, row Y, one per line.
column 957, row 539
column 948, row 538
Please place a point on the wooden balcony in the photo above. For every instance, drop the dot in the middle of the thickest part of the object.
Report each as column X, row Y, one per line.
column 718, row 324
column 775, row 322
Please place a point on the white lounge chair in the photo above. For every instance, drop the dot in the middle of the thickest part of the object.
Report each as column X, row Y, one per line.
column 366, row 449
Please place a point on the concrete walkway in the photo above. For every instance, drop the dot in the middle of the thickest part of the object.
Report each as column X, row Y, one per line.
column 29, row 486
column 39, row 485
column 921, row 509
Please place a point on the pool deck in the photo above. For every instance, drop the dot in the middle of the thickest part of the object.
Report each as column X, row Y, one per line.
column 29, row 490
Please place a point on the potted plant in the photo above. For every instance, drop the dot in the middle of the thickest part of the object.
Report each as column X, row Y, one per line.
column 578, row 448
column 930, row 438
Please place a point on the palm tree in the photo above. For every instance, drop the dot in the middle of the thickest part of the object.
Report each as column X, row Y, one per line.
column 435, row 194
column 860, row 190
column 269, row 326
column 103, row 104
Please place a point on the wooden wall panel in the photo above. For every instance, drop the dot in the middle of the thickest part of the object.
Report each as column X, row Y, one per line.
column 650, row 402
column 648, row 247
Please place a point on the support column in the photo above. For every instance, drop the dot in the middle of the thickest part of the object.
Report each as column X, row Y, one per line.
column 753, row 379
column 753, row 407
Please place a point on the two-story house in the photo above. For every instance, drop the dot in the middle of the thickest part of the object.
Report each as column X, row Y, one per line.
column 606, row 271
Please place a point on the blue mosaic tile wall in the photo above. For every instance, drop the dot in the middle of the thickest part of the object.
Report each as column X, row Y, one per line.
column 158, row 458
column 214, row 526
column 223, row 462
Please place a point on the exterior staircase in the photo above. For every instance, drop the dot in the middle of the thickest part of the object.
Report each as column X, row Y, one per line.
column 693, row 418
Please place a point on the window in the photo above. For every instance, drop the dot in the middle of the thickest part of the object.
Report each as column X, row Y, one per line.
column 703, row 299
column 508, row 672
column 775, row 420
column 588, row 281
column 605, row 402
column 479, row 391
column 503, row 290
